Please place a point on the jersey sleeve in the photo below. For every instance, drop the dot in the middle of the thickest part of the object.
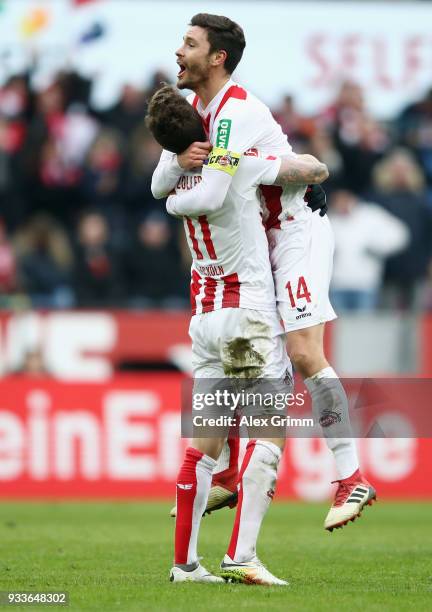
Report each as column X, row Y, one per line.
column 264, row 170
column 210, row 194
column 165, row 175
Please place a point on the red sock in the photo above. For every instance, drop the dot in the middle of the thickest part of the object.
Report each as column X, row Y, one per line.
column 228, row 478
column 193, row 487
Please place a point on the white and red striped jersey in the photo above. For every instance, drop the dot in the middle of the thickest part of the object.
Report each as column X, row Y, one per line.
column 229, row 248
column 236, row 120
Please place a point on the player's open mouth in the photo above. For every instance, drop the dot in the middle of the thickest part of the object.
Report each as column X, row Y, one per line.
column 181, row 71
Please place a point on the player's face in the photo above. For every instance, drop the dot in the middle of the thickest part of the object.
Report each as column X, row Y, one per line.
column 193, row 58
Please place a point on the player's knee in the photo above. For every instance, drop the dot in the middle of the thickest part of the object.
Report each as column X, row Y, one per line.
column 209, row 446
column 300, row 359
column 306, row 355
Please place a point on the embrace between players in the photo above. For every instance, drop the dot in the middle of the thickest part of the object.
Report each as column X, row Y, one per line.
column 260, row 256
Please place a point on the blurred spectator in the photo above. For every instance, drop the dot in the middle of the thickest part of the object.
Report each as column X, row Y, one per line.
column 159, row 78
column 298, row 129
column 365, row 235
column 323, row 147
column 102, row 183
column 8, row 280
column 144, row 153
column 400, row 188
column 360, row 140
column 59, row 156
column 415, row 129
column 97, row 274
column 129, row 111
column 14, row 109
column 53, row 150
column 44, row 263
column 154, row 271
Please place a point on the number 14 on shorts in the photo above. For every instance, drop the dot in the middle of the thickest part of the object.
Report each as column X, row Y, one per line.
column 301, row 292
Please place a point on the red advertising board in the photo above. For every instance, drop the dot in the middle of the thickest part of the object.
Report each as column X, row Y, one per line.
column 120, row 439
column 92, row 345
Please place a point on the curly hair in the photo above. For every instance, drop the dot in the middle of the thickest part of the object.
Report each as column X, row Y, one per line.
column 174, row 123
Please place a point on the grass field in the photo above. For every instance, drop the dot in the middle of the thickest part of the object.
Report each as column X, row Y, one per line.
column 117, row 557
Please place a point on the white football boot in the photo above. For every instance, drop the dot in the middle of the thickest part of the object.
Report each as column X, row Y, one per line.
column 352, row 495
column 249, row 572
column 199, row 574
column 218, row 498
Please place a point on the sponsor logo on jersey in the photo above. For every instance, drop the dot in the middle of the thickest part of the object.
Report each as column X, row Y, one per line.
column 185, row 487
column 303, row 315
column 223, row 133
column 329, row 417
column 221, row 159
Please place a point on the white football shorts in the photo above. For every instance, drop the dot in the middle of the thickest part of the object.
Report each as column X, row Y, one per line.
column 238, row 343
column 301, row 255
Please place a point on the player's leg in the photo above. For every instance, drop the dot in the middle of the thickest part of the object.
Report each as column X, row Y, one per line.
column 223, row 491
column 330, row 407
column 264, row 354
column 306, row 351
column 193, row 487
column 303, row 270
column 195, row 475
column 257, row 483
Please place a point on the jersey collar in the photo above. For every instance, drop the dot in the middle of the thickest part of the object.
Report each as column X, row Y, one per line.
column 214, row 103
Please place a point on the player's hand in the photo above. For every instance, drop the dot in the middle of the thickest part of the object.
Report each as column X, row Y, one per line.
column 194, row 156
column 316, row 199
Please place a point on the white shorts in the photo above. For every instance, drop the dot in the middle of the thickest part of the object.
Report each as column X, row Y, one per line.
column 238, row 343
column 301, row 256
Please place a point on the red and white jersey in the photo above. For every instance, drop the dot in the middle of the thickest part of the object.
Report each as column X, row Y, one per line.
column 235, row 119
column 229, row 248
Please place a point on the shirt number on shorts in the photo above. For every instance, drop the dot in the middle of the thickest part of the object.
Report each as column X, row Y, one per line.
column 302, row 291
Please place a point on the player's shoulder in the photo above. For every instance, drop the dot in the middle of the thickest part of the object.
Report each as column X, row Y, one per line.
column 241, row 101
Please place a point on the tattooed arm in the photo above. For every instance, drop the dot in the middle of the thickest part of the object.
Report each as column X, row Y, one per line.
column 301, row 170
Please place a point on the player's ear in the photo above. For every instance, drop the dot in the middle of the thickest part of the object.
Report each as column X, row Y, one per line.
column 219, row 57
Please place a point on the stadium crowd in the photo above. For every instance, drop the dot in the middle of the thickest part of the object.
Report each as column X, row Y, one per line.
column 79, row 226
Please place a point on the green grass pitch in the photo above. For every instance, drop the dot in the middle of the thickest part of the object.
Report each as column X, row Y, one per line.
column 117, row 556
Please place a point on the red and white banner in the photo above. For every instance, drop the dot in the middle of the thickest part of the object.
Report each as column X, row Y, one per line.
column 121, row 439
column 92, row 345
column 80, row 345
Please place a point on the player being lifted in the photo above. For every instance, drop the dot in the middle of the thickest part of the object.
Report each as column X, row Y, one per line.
column 232, row 295
column 301, row 244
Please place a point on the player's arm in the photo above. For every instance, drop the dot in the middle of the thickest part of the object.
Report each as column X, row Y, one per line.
column 172, row 166
column 165, row 175
column 210, row 194
column 301, row 170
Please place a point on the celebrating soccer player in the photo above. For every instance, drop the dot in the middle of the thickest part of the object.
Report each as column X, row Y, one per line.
column 239, row 294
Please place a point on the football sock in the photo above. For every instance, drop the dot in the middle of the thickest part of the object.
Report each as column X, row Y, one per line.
column 193, row 487
column 330, row 408
column 256, row 489
column 226, row 471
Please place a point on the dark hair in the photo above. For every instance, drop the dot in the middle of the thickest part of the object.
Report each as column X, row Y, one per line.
column 174, row 122
column 223, row 34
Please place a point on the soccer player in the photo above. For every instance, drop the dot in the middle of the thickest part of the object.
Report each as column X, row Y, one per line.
column 301, row 244
column 233, row 303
